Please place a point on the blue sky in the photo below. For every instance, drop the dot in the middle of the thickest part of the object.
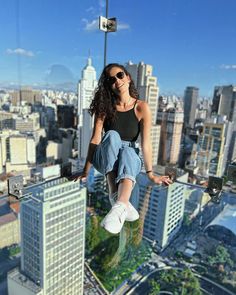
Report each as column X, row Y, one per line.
column 188, row 42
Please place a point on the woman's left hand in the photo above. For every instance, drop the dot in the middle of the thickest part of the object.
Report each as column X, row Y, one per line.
column 160, row 179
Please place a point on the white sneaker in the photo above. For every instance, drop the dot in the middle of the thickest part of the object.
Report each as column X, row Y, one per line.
column 132, row 213
column 115, row 219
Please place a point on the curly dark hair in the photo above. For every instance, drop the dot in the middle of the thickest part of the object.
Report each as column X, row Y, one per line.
column 104, row 101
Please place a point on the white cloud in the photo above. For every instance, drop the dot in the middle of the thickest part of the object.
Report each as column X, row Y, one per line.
column 122, row 26
column 228, row 67
column 91, row 9
column 20, row 51
column 90, row 26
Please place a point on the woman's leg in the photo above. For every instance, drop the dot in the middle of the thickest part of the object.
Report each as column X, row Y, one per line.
column 128, row 169
column 111, row 180
column 124, row 190
column 105, row 158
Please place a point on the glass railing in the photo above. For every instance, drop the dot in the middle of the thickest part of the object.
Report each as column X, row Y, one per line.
column 184, row 240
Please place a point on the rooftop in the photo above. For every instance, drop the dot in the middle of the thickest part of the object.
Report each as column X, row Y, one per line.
column 227, row 218
column 4, row 219
column 24, row 281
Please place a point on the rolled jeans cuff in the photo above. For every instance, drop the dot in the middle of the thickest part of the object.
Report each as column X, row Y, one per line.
column 123, row 176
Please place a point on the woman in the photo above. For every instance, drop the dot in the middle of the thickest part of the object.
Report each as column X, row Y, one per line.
column 118, row 111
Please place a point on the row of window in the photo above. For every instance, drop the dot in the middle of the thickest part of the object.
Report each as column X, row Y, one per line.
column 68, row 225
column 54, row 190
column 74, row 229
column 74, row 208
column 31, row 232
column 173, row 226
column 76, row 288
column 64, row 219
column 60, row 269
column 64, row 242
column 60, row 264
column 32, row 217
column 30, row 244
column 59, row 200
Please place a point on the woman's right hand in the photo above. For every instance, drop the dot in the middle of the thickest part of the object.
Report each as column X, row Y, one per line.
column 82, row 175
column 161, row 180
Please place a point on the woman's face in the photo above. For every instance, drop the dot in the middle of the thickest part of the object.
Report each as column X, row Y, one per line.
column 118, row 80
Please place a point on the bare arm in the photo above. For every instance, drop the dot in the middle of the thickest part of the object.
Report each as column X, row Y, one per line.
column 146, row 144
column 94, row 141
column 146, row 136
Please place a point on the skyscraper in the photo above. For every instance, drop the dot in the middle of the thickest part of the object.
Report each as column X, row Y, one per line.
column 146, row 85
column 52, row 240
column 208, row 154
column 85, row 135
column 224, row 102
column 148, row 90
column 171, row 121
column 86, row 87
column 190, row 106
column 163, row 207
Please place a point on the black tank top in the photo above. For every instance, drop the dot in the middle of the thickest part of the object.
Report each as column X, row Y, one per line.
column 126, row 124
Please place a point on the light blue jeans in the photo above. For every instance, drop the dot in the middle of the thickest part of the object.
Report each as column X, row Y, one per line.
column 114, row 154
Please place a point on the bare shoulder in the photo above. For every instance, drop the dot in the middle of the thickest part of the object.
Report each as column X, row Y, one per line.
column 142, row 105
column 143, row 108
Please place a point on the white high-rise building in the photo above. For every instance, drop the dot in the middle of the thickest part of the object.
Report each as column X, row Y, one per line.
column 85, row 135
column 155, row 136
column 161, row 209
column 148, row 90
column 52, row 240
column 86, row 87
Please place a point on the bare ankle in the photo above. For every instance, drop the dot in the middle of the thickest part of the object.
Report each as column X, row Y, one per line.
column 126, row 202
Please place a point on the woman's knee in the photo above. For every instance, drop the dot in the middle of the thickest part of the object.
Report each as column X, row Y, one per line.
column 112, row 136
column 130, row 158
column 127, row 153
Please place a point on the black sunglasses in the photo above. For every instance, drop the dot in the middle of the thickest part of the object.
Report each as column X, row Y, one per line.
column 112, row 79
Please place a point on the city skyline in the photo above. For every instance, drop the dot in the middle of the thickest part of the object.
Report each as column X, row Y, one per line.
column 53, row 242
column 46, row 43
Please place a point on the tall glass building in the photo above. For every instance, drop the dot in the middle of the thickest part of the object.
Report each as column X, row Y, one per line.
column 52, row 240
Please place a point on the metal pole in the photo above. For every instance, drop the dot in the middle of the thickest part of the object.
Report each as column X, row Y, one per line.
column 105, row 49
column 105, row 42
column 18, row 43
